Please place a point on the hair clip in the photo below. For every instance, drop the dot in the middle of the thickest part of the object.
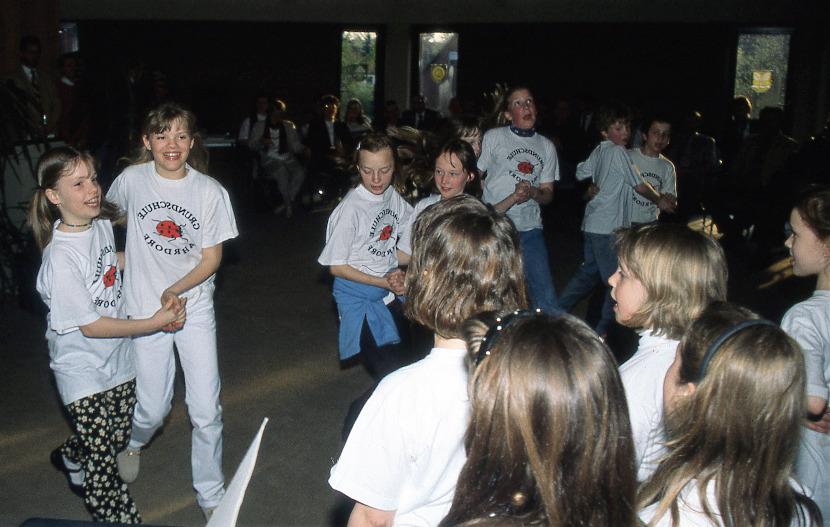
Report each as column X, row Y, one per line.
column 489, row 338
column 726, row 335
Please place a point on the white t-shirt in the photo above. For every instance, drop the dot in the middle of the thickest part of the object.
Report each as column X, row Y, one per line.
column 808, row 323
column 406, row 449
column 79, row 281
column 659, row 172
column 691, row 508
column 509, row 159
column 610, row 167
column 169, row 222
column 432, row 199
column 363, row 231
column 642, row 377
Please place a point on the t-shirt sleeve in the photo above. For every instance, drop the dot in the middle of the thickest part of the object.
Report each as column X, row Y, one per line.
column 551, row 170
column 71, row 303
column 372, row 467
column 487, row 149
column 220, row 224
column 585, row 170
column 117, row 193
column 671, row 179
column 622, row 164
column 340, row 232
column 405, row 232
column 799, row 326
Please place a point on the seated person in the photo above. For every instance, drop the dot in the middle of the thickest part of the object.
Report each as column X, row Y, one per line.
column 278, row 143
column 329, row 140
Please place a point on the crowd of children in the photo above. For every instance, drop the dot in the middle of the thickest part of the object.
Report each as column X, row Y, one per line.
column 490, row 427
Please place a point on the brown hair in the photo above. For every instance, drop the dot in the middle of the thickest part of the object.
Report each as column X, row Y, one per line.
column 814, row 208
column 549, row 440
column 377, row 142
column 740, row 428
column 464, row 152
column 682, row 270
column 607, row 116
column 52, row 166
column 466, row 259
column 161, row 119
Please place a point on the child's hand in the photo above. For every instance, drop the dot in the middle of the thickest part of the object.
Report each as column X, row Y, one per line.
column 397, row 282
column 169, row 296
column 821, row 426
column 593, row 190
column 522, row 191
column 667, row 203
column 171, row 315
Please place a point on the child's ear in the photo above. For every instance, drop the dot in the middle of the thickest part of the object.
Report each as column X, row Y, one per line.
column 146, row 142
column 507, row 116
column 52, row 196
column 604, row 134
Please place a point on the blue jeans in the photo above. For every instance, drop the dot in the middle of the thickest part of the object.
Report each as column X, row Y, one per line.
column 537, row 271
column 600, row 262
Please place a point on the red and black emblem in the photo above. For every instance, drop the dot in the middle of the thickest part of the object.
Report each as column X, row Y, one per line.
column 109, row 276
column 169, row 229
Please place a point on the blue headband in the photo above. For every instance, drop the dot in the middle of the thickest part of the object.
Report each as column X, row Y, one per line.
column 726, row 335
column 495, row 330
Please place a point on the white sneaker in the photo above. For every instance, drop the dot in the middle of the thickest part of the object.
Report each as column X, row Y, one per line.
column 128, row 464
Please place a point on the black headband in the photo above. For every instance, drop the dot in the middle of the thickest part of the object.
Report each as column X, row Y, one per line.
column 726, row 335
column 495, row 330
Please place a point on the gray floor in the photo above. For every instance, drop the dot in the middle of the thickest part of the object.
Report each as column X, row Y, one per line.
column 278, row 359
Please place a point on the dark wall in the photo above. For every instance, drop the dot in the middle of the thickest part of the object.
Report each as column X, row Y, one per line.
column 217, row 66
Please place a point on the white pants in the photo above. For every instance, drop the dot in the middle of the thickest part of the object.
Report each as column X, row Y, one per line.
column 812, row 466
column 156, row 371
column 288, row 174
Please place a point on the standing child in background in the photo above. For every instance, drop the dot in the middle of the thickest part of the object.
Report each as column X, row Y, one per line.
column 80, row 282
column 521, row 167
column 468, row 128
column 532, row 377
column 734, row 399
column 668, row 274
column 363, row 255
column 401, row 461
column 654, row 168
column 610, row 209
column 809, row 324
column 455, row 173
column 177, row 219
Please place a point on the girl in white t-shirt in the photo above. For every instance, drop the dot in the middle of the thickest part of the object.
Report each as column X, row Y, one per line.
column 363, row 253
column 80, row 282
column 667, row 274
column 455, row 173
column 177, row 221
column 735, row 400
column 809, row 324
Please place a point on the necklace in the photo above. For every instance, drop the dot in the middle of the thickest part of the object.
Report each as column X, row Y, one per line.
column 530, row 132
column 79, row 225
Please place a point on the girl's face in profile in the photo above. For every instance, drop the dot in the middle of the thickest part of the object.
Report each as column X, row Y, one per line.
column 450, row 176
column 77, row 195
column 628, row 292
column 810, row 254
column 376, row 170
column 521, row 110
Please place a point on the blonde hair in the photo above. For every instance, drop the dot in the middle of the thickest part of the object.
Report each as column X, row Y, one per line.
column 549, row 440
column 466, row 259
column 51, row 167
column 161, row 119
column 682, row 270
column 740, row 428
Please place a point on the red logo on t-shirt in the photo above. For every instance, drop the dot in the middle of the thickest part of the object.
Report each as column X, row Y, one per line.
column 109, row 277
column 525, row 167
column 386, row 233
column 169, row 229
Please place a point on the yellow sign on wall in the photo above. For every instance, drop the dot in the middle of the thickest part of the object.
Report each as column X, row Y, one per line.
column 761, row 81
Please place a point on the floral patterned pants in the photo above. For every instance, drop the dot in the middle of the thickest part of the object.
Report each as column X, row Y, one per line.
column 102, row 424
